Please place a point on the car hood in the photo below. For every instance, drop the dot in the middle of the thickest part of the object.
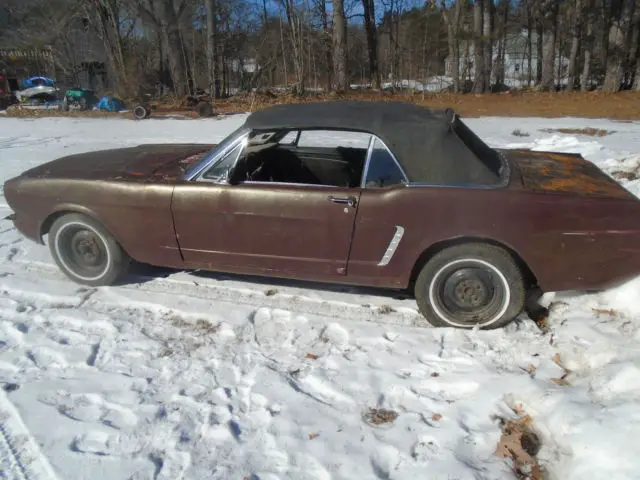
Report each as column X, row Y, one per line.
column 160, row 162
column 569, row 173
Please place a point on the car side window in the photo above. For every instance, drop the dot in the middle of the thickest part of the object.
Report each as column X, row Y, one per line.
column 383, row 170
column 219, row 172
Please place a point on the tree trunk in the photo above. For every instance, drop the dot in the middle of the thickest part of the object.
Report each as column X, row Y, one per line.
column 549, row 49
column 190, row 82
column 372, row 42
column 539, row 53
column 341, row 81
column 529, row 46
column 575, row 45
column 327, row 42
column 588, row 48
column 174, row 52
column 616, row 53
column 296, row 41
column 478, row 47
column 634, row 39
column 636, row 80
column 165, row 16
column 487, row 33
column 112, row 41
column 500, row 80
column 211, row 48
column 636, row 77
column 452, row 20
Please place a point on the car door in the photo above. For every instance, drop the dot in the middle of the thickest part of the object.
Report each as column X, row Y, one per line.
column 377, row 250
column 292, row 230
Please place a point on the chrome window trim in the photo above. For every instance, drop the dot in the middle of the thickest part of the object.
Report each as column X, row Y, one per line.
column 292, row 184
column 474, row 186
column 368, row 161
column 214, row 159
column 243, row 140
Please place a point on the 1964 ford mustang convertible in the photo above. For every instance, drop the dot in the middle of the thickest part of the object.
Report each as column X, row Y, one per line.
column 424, row 205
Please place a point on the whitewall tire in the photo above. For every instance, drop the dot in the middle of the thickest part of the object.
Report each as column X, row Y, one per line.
column 85, row 251
column 470, row 285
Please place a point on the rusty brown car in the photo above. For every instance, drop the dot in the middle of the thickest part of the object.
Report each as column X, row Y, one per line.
column 425, row 205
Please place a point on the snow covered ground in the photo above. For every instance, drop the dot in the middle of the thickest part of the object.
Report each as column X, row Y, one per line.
column 180, row 375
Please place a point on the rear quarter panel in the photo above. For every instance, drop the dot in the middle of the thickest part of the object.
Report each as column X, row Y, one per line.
column 569, row 242
column 137, row 214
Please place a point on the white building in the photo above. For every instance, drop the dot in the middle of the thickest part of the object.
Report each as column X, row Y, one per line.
column 516, row 65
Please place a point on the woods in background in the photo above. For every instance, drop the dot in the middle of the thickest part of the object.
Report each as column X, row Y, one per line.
column 181, row 46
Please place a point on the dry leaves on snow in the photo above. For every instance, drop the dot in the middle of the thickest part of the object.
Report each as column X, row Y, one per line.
column 521, row 444
column 380, row 416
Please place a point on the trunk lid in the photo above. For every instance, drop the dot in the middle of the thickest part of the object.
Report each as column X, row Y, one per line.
column 161, row 161
column 563, row 173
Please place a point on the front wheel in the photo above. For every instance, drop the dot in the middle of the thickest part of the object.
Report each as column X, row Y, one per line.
column 85, row 251
column 470, row 285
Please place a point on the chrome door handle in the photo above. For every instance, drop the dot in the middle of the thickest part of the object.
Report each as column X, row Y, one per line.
column 351, row 201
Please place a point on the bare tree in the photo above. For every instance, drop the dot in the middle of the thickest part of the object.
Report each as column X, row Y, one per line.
column 211, row 48
column 550, row 22
column 500, row 60
column 452, row 21
column 294, row 20
column 341, row 79
column 165, row 16
column 372, row 42
column 478, row 46
column 588, row 47
column 622, row 12
column 108, row 27
column 575, row 44
column 327, row 41
column 529, row 13
column 636, row 79
column 487, row 33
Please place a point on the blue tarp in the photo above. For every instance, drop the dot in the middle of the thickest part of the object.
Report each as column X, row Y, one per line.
column 36, row 81
column 110, row 104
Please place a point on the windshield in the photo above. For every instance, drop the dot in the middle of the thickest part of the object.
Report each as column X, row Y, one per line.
column 215, row 151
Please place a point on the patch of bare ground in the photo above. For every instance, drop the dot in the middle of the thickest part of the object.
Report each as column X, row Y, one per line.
column 623, row 106
column 602, row 311
column 622, row 175
column 385, row 309
column 593, row 132
column 521, row 444
column 380, row 416
column 619, row 106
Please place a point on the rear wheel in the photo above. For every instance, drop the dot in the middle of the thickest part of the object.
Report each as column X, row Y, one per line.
column 470, row 285
column 85, row 251
column 140, row 112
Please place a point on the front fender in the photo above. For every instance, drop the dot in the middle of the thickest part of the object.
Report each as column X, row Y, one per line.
column 62, row 209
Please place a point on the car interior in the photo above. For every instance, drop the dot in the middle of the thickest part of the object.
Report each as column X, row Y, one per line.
column 269, row 157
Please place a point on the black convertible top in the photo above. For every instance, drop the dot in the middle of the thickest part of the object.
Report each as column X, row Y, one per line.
column 431, row 145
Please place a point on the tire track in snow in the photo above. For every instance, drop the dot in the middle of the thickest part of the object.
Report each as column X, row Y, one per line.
column 298, row 304
column 20, row 456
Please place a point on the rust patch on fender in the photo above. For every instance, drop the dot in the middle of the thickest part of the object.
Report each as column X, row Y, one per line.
column 564, row 173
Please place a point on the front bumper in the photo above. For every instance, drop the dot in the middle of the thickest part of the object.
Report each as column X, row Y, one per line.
column 26, row 227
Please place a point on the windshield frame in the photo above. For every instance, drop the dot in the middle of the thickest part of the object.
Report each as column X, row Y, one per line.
column 215, row 154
